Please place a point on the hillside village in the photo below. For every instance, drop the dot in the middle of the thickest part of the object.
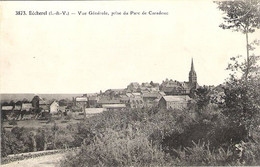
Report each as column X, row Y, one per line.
column 170, row 94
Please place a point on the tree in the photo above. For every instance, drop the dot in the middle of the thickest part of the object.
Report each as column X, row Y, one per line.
column 36, row 102
column 25, row 100
column 42, row 138
column 19, row 103
column 242, row 103
column 5, row 103
column 63, row 102
column 242, row 95
column 242, row 16
column 11, row 103
column 202, row 96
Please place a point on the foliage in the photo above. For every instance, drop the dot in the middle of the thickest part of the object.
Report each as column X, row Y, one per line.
column 12, row 122
column 202, row 96
column 242, row 95
column 21, row 140
column 242, row 89
column 242, row 15
column 118, row 149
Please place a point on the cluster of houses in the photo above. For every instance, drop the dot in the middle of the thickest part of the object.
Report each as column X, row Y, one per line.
column 170, row 94
column 19, row 109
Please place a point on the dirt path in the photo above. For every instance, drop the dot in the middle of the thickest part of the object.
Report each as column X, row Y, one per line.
column 43, row 161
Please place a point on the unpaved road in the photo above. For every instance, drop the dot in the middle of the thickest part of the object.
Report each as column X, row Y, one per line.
column 43, row 161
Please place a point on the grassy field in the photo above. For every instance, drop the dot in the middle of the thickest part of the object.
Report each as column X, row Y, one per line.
column 40, row 123
column 61, row 122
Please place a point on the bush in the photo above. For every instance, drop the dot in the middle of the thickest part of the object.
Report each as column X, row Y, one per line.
column 200, row 154
column 12, row 122
column 124, row 148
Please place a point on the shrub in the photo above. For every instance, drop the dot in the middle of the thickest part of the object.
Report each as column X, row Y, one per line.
column 200, row 154
column 124, row 148
column 12, row 122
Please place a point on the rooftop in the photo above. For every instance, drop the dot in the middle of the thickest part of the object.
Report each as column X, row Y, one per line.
column 176, row 98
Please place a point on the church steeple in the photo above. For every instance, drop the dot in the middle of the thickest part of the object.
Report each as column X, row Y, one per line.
column 192, row 74
column 192, row 67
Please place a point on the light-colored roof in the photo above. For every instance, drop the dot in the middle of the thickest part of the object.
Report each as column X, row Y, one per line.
column 7, row 108
column 114, row 106
column 27, row 106
column 107, row 101
column 136, row 94
column 176, row 98
column 81, row 99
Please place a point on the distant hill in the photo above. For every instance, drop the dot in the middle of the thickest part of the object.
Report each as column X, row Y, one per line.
column 29, row 96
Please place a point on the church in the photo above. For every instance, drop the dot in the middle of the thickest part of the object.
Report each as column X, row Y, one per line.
column 173, row 87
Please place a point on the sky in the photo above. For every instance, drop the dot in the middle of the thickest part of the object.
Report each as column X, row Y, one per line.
column 85, row 54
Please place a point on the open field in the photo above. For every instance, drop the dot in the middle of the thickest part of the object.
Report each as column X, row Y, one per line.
column 61, row 122
column 40, row 123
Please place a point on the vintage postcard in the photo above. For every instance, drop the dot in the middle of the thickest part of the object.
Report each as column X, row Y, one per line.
column 130, row 83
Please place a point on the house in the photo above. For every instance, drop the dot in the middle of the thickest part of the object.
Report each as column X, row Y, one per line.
column 170, row 87
column 136, row 102
column 150, row 96
column 113, row 107
column 125, row 100
column 17, row 107
column 129, row 95
column 44, row 107
column 136, row 94
column 175, row 102
column 6, row 111
column 27, row 107
column 81, row 102
column 104, row 101
column 54, row 107
column 7, row 108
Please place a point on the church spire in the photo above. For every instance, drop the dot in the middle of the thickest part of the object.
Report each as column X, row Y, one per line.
column 192, row 67
column 192, row 74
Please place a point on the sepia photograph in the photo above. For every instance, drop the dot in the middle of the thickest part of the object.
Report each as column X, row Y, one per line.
column 130, row 83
